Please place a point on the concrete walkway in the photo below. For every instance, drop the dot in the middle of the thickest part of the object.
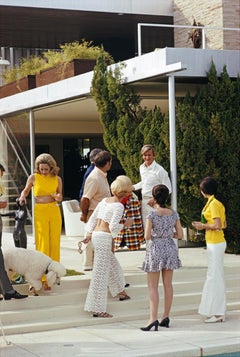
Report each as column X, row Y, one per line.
column 187, row 336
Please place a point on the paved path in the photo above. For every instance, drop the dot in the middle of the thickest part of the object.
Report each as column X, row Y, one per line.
column 187, row 337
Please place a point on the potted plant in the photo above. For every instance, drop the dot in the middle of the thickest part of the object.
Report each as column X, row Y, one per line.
column 20, row 85
column 22, row 78
column 53, row 65
column 72, row 59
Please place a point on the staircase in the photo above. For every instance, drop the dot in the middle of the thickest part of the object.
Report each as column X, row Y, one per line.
column 63, row 306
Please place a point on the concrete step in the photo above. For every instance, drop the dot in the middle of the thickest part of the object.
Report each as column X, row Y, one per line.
column 73, row 287
column 76, row 298
column 55, row 319
column 63, row 307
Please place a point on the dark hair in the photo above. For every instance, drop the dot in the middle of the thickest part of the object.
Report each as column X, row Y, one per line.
column 102, row 158
column 160, row 194
column 209, row 186
column 94, row 153
column 2, row 168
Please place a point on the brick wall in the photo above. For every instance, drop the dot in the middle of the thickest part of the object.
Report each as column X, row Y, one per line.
column 215, row 13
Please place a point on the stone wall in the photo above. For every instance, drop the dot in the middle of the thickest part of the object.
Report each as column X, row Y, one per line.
column 214, row 13
column 231, row 18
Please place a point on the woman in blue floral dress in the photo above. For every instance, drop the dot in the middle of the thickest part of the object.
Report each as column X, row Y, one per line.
column 162, row 226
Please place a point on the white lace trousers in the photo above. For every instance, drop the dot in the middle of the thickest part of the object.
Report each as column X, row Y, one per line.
column 107, row 273
column 213, row 300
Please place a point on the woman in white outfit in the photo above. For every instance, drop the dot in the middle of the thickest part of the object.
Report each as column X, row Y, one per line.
column 102, row 227
column 213, row 220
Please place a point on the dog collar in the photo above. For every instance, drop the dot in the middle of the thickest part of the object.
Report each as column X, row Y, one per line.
column 46, row 271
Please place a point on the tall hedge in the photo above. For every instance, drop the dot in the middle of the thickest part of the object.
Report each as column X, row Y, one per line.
column 207, row 132
column 208, row 143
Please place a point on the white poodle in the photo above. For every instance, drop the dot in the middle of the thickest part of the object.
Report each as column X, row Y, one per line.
column 33, row 265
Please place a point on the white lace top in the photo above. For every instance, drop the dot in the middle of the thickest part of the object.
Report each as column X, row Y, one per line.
column 108, row 212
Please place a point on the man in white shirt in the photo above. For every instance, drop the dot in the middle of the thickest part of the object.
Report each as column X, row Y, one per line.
column 152, row 174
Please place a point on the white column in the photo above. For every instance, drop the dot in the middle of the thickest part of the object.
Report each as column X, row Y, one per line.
column 12, row 62
column 172, row 140
column 139, row 34
column 32, row 156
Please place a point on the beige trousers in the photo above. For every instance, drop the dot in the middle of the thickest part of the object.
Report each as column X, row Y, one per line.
column 88, row 253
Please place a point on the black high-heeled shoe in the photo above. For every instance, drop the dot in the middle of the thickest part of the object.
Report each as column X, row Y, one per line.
column 165, row 322
column 153, row 324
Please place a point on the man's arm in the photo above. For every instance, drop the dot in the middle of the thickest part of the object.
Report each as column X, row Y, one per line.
column 84, row 206
column 90, row 189
column 164, row 178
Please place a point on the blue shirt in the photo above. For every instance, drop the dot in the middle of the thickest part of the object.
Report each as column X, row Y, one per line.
column 88, row 171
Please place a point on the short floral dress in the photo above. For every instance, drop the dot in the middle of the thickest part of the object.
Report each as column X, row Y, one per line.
column 161, row 250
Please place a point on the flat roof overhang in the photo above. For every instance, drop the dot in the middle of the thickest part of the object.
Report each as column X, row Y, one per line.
column 70, row 99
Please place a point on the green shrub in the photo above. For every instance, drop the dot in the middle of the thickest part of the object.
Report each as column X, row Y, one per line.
column 51, row 58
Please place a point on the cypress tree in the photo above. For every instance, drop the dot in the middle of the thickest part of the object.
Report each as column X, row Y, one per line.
column 208, row 144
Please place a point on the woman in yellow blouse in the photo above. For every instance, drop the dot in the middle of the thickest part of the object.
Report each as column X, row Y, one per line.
column 47, row 188
column 213, row 220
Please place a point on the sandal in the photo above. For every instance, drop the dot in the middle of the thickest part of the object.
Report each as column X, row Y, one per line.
column 123, row 296
column 102, row 314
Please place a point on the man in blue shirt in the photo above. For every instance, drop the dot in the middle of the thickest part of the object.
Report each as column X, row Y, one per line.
column 92, row 155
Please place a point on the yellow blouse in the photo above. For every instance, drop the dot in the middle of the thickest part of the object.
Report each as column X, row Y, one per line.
column 45, row 185
column 214, row 209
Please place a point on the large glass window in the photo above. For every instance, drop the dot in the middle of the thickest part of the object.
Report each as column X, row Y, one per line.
column 75, row 163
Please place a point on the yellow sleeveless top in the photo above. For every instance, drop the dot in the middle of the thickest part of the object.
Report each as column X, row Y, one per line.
column 45, row 185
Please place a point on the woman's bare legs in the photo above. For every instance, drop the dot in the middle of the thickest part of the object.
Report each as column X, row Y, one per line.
column 167, row 276
column 153, row 280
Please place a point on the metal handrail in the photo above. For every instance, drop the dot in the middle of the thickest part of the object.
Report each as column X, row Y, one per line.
column 17, row 145
column 20, row 161
column 203, row 28
column 14, row 149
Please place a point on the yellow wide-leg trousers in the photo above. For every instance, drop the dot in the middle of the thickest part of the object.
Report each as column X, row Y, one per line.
column 48, row 227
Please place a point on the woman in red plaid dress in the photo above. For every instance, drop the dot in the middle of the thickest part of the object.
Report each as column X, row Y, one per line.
column 133, row 236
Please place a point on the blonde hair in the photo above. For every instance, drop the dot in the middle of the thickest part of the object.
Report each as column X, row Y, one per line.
column 148, row 147
column 48, row 160
column 122, row 186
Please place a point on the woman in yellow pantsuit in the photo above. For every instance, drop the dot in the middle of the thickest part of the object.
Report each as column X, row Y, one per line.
column 47, row 189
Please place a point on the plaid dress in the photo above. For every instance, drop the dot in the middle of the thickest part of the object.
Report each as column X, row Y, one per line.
column 133, row 236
